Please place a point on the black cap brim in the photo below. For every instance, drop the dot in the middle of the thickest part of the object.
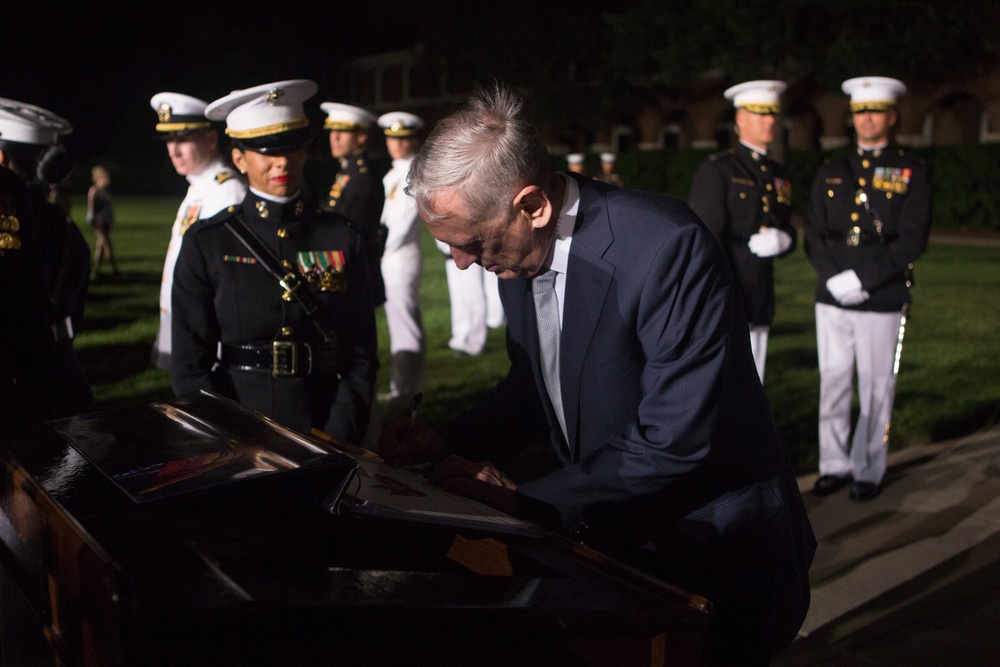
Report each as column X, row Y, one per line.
column 274, row 143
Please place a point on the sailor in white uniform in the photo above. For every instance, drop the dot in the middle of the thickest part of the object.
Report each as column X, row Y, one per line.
column 402, row 262
column 193, row 147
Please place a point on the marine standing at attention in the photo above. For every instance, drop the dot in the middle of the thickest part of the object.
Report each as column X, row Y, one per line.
column 270, row 301
column 745, row 198
column 868, row 221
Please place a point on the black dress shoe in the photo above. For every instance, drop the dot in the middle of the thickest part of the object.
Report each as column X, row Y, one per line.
column 863, row 491
column 828, row 484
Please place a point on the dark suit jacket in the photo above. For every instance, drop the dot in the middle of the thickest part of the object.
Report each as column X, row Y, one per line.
column 673, row 462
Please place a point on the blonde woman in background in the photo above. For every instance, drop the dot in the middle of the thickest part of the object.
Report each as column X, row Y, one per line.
column 101, row 216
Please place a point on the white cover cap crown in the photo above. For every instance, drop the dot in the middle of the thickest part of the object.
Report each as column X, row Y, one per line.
column 268, row 116
column 400, row 124
column 763, row 96
column 28, row 124
column 177, row 112
column 574, row 158
column 346, row 117
column 608, row 157
column 873, row 93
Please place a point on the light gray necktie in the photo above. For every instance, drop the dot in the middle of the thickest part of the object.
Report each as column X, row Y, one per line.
column 543, row 286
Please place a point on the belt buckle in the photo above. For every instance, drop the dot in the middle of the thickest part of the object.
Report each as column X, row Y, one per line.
column 285, row 358
column 854, row 237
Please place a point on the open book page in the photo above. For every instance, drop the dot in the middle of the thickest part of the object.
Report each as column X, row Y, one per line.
column 378, row 487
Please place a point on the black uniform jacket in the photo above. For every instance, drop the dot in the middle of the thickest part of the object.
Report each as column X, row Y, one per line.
column 841, row 234
column 735, row 193
column 31, row 377
column 222, row 294
column 66, row 263
column 358, row 195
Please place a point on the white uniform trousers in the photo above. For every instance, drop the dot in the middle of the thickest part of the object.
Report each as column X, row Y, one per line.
column 475, row 305
column 866, row 340
column 758, row 346
column 402, row 271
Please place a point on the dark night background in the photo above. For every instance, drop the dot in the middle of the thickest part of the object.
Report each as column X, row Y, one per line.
column 97, row 64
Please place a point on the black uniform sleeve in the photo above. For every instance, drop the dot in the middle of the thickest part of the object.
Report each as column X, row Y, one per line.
column 195, row 329
column 816, row 230
column 349, row 413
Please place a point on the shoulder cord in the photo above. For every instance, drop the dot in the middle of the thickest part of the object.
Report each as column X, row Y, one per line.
column 294, row 290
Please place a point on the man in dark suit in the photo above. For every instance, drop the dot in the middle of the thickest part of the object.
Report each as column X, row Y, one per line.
column 670, row 459
column 745, row 198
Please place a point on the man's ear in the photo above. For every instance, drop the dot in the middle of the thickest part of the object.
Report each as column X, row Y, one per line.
column 3, row 158
column 536, row 205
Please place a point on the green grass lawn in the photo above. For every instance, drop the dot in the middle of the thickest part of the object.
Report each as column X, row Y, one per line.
column 947, row 383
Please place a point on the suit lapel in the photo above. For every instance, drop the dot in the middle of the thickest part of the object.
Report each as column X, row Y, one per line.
column 588, row 280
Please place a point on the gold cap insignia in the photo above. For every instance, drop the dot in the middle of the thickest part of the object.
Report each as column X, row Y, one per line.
column 164, row 112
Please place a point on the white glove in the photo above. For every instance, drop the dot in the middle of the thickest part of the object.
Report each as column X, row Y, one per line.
column 846, row 288
column 769, row 242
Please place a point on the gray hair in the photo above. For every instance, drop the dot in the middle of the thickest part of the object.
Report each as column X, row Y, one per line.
column 486, row 151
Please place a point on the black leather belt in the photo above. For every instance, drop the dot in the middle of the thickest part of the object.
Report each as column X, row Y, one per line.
column 282, row 358
column 855, row 236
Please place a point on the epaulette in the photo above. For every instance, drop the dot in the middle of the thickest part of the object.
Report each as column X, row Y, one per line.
column 221, row 216
column 729, row 152
column 223, row 176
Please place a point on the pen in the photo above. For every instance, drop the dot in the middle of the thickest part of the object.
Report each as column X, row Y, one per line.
column 414, row 405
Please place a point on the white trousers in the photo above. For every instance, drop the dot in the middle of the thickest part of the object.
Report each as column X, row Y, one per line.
column 475, row 305
column 846, row 340
column 758, row 346
column 402, row 271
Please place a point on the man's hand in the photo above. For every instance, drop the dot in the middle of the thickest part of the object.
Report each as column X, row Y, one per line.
column 481, row 481
column 403, row 441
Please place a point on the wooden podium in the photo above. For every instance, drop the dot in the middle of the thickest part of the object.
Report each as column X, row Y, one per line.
column 261, row 572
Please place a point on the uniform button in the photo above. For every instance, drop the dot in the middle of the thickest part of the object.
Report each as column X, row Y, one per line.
column 854, row 216
column 857, row 201
column 829, row 193
column 285, row 263
column 743, row 195
column 862, row 182
column 286, row 331
column 866, row 164
column 282, row 233
column 768, row 187
column 888, row 195
column 763, row 167
column 766, row 209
